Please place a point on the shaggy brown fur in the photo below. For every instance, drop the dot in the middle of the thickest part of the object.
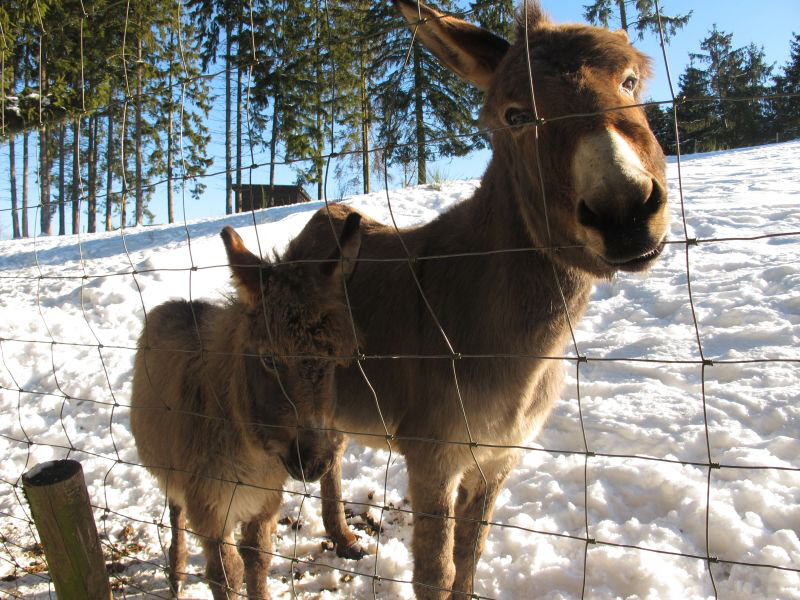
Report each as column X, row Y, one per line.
column 228, row 400
column 513, row 304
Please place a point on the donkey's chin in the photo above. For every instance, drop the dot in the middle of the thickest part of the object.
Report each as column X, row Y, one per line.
column 637, row 263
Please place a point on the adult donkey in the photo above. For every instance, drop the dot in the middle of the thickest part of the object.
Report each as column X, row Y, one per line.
column 575, row 191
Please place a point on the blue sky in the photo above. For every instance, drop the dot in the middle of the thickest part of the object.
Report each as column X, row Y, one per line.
column 767, row 23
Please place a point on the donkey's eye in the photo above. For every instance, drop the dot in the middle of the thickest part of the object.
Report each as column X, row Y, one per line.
column 272, row 364
column 517, row 117
column 630, row 83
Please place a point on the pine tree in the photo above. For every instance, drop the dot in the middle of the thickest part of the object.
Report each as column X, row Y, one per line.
column 733, row 78
column 181, row 110
column 106, row 77
column 786, row 110
column 214, row 22
column 301, row 85
column 421, row 101
column 696, row 117
column 147, row 28
column 8, row 83
column 43, row 99
column 645, row 19
column 750, row 118
column 358, row 69
column 101, row 40
column 662, row 124
column 276, row 44
column 720, row 59
column 19, row 43
column 498, row 17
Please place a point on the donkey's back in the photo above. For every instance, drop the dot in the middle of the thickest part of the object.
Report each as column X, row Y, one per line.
column 170, row 420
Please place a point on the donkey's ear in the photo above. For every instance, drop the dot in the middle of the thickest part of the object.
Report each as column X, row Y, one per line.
column 469, row 51
column 342, row 264
column 245, row 266
column 530, row 16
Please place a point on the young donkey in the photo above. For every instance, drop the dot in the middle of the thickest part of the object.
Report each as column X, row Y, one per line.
column 575, row 191
column 229, row 399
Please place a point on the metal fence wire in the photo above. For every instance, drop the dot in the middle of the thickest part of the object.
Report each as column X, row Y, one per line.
column 132, row 526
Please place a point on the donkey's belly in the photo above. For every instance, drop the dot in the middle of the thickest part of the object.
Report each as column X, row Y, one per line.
column 497, row 405
column 229, row 494
column 516, row 413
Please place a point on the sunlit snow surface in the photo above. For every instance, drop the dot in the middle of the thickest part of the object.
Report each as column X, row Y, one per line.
column 72, row 308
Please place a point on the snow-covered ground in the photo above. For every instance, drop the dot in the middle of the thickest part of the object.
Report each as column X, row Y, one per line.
column 72, row 309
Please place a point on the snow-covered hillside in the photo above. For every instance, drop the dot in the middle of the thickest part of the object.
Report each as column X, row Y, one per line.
column 72, row 309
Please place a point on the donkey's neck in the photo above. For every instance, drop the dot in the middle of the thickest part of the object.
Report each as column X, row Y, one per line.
column 225, row 337
column 518, row 295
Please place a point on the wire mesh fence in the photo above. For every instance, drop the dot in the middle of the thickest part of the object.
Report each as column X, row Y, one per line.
column 673, row 449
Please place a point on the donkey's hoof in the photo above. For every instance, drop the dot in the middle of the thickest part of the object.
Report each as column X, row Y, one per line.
column 175, row 585
column 353, row 551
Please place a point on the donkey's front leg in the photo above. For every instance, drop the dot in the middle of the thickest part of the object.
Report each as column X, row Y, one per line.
column 477, row 494
column 224, row 567
column 346, row 541
column 432, row 488
column 177, row 548
column 256, row 547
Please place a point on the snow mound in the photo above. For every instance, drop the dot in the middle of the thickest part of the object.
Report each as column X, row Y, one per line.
column 674, row 442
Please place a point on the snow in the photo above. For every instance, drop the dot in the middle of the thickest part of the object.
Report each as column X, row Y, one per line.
column 654, row 416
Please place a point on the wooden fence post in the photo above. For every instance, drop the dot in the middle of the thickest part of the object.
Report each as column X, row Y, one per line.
column 59, row 502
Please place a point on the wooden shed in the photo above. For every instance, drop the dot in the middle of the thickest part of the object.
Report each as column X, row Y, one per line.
column 256, row 196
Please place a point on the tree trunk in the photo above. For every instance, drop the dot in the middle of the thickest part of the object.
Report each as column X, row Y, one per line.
column 45, row 216
column 170, row 209
column 109, row 171
column 76, row 176
column 364, row 123
column 123, row 157
column 138, row 138
column 318, row 136
column 419, row 114
column 44, row 153
column 623, row 17
column 273, row 145
column 91, row 176
column 25, row 183
column 62, row 200
column 318, row 152
column 12, row 176
column 228, row 160
column 239, row 115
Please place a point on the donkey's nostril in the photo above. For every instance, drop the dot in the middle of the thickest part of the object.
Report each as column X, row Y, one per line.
column 657, row 198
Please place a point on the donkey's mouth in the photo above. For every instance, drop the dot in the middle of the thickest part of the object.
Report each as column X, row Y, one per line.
column 640, row 262
column 308, row 473
column 292, row 468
